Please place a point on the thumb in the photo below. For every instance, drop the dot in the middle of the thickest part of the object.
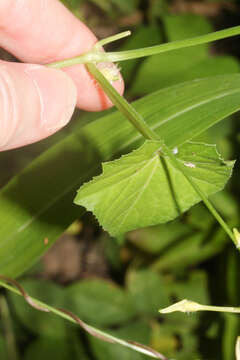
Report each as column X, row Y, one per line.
column 35, row 102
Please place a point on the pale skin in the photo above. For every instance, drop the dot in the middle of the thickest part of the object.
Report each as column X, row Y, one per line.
column 36, row 101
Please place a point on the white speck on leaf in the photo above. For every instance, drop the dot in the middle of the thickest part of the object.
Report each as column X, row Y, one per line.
column 190, row 165
column 175, row 151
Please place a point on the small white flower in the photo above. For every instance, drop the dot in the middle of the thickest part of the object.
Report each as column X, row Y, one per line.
column 110, row 71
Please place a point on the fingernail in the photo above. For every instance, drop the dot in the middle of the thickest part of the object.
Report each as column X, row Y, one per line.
column 57, row 96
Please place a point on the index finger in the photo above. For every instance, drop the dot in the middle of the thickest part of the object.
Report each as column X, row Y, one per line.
column 44, row 31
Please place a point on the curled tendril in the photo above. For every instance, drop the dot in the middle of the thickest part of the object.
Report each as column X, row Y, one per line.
column 89, row 329
column 28, row 298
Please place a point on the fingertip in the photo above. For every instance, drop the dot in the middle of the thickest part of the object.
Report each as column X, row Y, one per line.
column 57, row 95
column 35, row 102
column 90, row 96
column 56, row 34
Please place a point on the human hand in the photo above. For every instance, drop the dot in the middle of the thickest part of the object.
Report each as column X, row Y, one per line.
column 36, row 101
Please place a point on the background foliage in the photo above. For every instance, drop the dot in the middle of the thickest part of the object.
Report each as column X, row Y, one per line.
column 119, row 284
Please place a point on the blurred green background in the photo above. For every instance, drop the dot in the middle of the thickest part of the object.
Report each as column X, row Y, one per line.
column 119, row 284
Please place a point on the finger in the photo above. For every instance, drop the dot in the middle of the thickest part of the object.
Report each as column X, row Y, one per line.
column 44, row 31
column 35, row 102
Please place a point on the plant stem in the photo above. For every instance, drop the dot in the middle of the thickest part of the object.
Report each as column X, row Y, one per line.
column 112, row 38
column 204, row 198
column 188, row 306
column 39, row 305
column 174, row 45
column 138, row 122
column 95, row 55
column 122, row 105
column 237, row 348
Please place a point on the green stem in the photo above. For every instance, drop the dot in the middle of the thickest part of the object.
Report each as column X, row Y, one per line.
column 96, row 55
column 237, row 348
column 188, row 306
column 138, row 122
column 122, row 105
column 174, row 45
column 204, row 198
column 90, row 329
column 112, row 38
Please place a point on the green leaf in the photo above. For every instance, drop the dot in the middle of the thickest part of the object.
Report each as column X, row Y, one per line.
column 164, row 339
column 37, row 203
column 191, row 251
column 100, row 302
column 176, row 29
column 183, row 242
column 195, row 286
column 156, row 239
column 143, row 36
column 140, row 190
column 172, row 68
column 3, row 351
column 48, row 348
column 148, row 290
